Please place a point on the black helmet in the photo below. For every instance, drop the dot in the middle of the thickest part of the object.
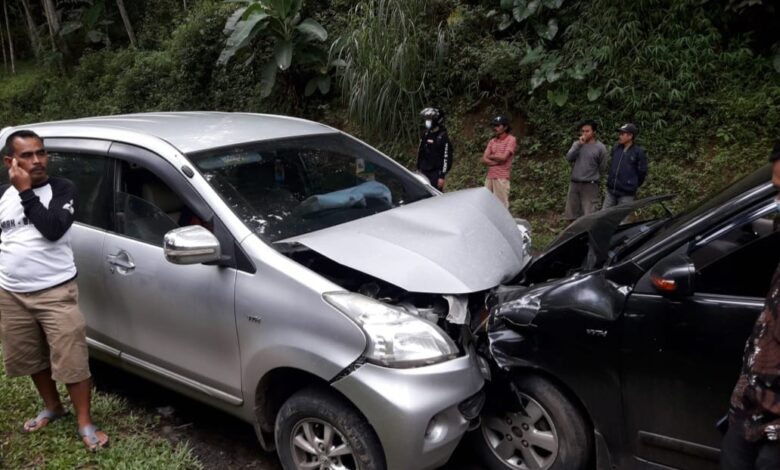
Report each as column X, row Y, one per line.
column 436, row 115
column 500, row 120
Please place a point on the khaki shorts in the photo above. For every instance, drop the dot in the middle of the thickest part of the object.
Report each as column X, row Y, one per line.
column 44, row 329
column 499, row 188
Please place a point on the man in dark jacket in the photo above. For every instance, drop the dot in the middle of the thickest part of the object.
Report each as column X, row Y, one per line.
column 627, row 169
column 752, row 441
column 434, row 157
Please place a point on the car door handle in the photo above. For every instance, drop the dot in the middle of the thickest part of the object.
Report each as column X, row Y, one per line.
column 121, row 262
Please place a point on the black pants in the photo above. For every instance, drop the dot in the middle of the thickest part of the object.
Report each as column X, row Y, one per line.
column 433, row 177
column 740, row 454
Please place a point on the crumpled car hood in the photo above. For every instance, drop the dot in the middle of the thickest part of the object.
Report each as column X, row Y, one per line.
column 456, row 243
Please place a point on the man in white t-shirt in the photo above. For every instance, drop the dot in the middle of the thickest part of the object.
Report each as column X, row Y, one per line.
column 42, row 331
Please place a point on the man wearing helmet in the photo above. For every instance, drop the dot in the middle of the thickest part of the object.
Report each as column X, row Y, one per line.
column 434, row 157
column 498, row 158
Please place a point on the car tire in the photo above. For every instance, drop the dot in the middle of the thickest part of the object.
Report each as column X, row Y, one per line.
column 315, row 424
column 531, row 424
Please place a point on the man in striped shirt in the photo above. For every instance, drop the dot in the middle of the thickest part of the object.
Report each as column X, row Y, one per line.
column 498, row 158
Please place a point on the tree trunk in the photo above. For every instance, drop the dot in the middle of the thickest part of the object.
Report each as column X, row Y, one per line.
column 54, row 28
column 10, row 40
column 5, row 56
column 32, row 30
column 126, row 20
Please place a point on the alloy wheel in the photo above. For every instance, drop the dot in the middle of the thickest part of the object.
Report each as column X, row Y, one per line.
column 524, row 439
column 316, row 444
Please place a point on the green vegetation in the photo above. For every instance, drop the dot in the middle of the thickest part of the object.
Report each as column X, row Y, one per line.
column 701, row 79
column 135, row 443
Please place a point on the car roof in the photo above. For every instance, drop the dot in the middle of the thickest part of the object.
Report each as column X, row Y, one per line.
column 187, row 131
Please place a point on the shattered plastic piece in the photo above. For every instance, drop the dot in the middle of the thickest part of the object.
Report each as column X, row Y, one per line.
column 458, row 309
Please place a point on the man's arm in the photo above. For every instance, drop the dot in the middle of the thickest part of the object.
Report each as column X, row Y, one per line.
column 419, row 152
column 603, row 157
column 447, row 157
column 57, row 219
column 486, row 157
column 574, row 151
column 501, row 157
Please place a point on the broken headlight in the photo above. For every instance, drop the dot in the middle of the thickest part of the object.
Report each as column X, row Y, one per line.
column 395, row 337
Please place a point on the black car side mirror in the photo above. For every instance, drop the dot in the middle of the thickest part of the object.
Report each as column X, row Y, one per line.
column 674, row 277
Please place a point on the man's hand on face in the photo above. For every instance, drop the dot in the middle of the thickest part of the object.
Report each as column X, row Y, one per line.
column 582, row 139
column 19, row 177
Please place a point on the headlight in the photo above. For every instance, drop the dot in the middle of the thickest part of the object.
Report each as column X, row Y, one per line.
column 395, row 338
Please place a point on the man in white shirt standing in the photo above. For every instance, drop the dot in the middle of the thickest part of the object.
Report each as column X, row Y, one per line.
column 41, row 327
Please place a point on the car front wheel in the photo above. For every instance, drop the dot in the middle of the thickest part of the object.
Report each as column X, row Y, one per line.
column 532, row 426
column 317, row 429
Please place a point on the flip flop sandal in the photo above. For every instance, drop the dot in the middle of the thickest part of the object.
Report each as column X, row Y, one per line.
column 37, row 423
column 91, row 440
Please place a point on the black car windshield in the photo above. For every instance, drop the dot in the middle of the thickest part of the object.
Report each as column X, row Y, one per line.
column 288, row 187
column 717, row 199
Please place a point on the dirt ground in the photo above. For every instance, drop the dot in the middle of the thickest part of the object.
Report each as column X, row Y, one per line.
column 219, row 440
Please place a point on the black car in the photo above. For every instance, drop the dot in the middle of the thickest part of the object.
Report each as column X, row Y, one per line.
column 620, row 347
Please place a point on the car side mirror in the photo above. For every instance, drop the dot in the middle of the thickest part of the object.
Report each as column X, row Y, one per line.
column 191, row 245
column 674, row 277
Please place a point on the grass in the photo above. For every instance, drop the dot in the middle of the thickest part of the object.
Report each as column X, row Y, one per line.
column 135, row 442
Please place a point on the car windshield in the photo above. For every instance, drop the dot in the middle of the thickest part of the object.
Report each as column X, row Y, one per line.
column 712, row 201
column 289, row 187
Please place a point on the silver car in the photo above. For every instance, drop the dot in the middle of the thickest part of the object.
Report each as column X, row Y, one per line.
column 289, row 274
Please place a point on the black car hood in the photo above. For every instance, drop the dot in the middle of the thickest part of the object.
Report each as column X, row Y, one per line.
column 587, row 303
column 588, row 238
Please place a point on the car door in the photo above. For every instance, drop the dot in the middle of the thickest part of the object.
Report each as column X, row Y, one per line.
column 682, row 356
column 174, row 321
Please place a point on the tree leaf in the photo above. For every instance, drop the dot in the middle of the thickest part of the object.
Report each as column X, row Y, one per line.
column 241, row 35
column 312, row 29
column 558, row 98
column 233, row 20
column 507, row 4
column 324, row 84
column 537, row 79
column 311, row 86
column 552, row 4
column 521, row 11
column 69, row 27
column 532, row 55
column 506, row 22
column 550, row 30
column 267, row 79
column 95, row 36
column 594, row 94
column 552, row 75
column 283, row 51
column 776, row 62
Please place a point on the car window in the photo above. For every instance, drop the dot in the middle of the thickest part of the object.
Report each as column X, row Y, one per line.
column 289, row 187
column 740, row 258
column 89, row 174
column 145, row 208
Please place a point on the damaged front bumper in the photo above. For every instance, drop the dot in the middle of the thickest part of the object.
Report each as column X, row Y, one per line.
column 419, row 414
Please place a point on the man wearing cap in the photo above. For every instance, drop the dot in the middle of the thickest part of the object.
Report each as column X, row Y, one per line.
column 627, row 169
column 498, row 158
column 434, row 157
column 752, row 441
column 588, row 158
